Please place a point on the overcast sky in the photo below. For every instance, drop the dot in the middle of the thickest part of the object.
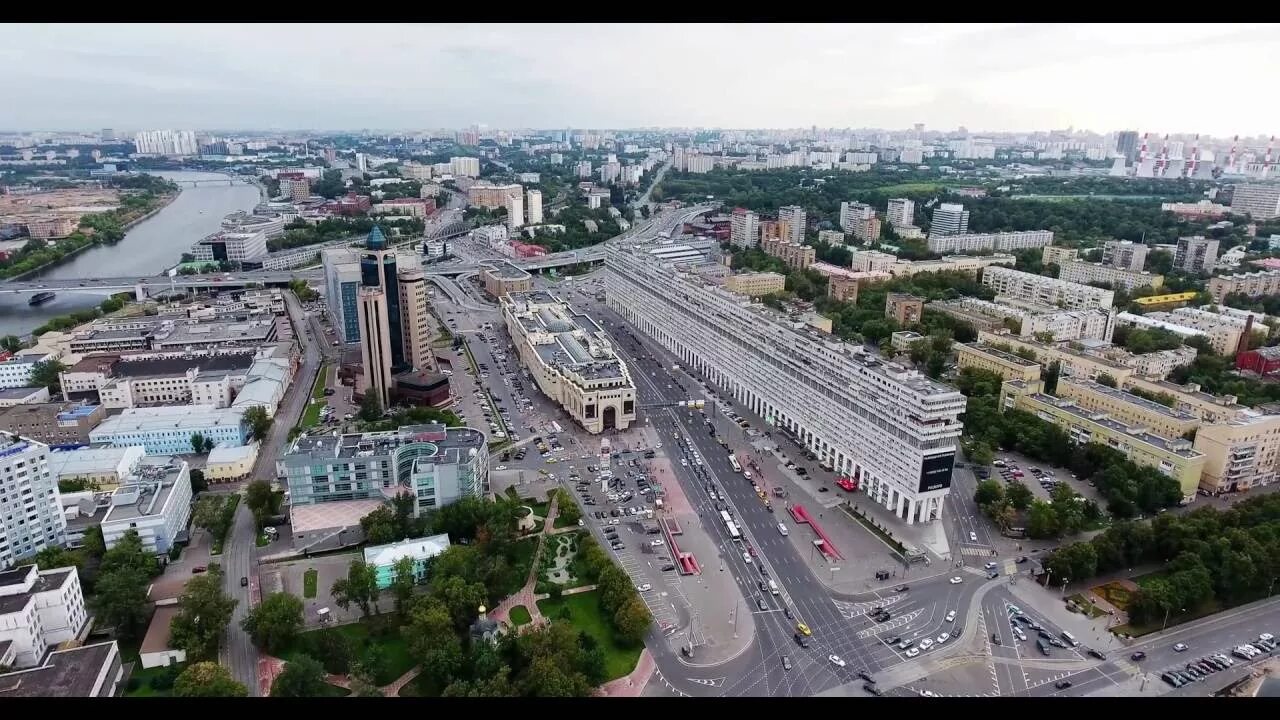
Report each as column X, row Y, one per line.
column 1216, row 79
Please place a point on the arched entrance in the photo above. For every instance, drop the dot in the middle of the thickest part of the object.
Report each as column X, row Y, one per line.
column 610, row 417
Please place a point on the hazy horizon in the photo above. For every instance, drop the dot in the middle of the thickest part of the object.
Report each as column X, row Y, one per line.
column 1181, row 78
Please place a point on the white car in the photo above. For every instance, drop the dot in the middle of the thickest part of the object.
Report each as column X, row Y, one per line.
column 956, row 580
column 655, row 543
column 1021, row 635
column 644, row 588
column 973, row 536
column 502, row 467
column 913, row 652
column 943, row 638
column 1179, row 647
column 746, row 558
column 836, row 660
column 951, row 616
column 926, row 643
column 1266, row 637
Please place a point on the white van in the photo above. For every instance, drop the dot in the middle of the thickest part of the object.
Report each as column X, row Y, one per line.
column 782, row 529
column 773, row 587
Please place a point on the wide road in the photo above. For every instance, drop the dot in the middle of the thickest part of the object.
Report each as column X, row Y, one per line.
column 238, row 559
column 838, row 622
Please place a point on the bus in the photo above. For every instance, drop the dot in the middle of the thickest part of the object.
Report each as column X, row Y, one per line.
column 730, row 526
column 733, row 461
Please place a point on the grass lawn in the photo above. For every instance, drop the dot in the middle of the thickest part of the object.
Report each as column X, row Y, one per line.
column 586, row 616
column 129, row 654
column 309, row 580
column 909, row 187
column 539, row 508
column 520, row 615
column 311, row 416
column 322, row 377
column 394, row 647
column 561, row 522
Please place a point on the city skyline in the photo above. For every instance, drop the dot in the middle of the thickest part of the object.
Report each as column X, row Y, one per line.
column 988, row 78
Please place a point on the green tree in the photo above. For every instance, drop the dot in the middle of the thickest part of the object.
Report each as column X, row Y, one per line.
column 304, row 292
column 56, row 556
column 1018, row 495
column 370, row 407
column 198, row 483
column 260, row 496
column 363, row 684
column 1042, row 522
column 434, row 643
column 379, row 526
column 403, row 581
column 11, row 343
column 275, row 623
column 463, row 599
column 47, row 374
column 94, row 545
column 332, row 649
column 120, row 600
column 302, row 677
column 569, row 509
column 204, row 612
column 258, row 420
column 632, row 620
column 1105, row 379
column 980, row 453
column 197, row 442
column 988, row 492
column 207, row 680
column 330, row 185
column 360, row 586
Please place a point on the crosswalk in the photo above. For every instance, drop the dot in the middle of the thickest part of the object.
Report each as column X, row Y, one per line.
column 975, row 551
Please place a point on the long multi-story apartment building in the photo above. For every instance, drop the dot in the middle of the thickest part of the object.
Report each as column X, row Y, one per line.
column 795, row 255
column 889, row 427
column 1045, row 290
column 996, row 241
column 1261, row 201
column 572, row 360
column 434, row 464
column 1224, row 337
column 1254, row 284
column 1174, row 457
column 992, row 359
column 1034, row 319
column 1072, row 362
column 1078, row 271
column 30, row 515
column 792, row 222
column 1127, row 407
column 755, row 284
column 1124, row 254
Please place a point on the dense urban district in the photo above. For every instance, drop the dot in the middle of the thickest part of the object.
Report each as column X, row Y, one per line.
column 556, row 413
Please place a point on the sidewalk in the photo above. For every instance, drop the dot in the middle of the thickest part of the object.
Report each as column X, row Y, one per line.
column 631, row 685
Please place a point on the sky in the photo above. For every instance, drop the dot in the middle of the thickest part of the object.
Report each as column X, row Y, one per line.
column 1215, row 79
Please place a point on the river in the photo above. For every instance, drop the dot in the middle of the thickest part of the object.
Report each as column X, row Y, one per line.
column 149, row 248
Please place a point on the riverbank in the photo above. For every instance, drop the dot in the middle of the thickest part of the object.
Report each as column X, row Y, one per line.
column 165, row 200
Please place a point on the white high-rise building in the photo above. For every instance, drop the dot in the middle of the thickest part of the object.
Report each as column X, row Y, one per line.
column 890, row 428
column 362, row 162
column 465, row 166
column 166, row 142
column 584, row 169
column 854, row 212
column 901, row 212
column 1196, row 254
column 744, row 228
column 1261, row 201
column 792, row 222
column 533, row 206
column 515, row 210
column 949, row 219
column 31, row 516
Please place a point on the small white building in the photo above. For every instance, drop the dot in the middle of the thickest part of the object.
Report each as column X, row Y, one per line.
column 156, row 502
column 23, row 396
column 383, row 557
column 156, row 651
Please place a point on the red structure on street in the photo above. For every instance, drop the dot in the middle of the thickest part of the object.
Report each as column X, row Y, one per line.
column 1263, row 360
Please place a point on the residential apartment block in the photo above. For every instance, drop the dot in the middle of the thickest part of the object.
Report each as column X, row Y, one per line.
column 796, row 256
column 39, row 609
column 572, row 360
column 1033, row 319
column 1173, row 457
column 30, row 514
column 889, row 427
column 1072, row 362
column 903, row 309
column 1057, row 255
column 901, row 212
column 1260, row 201
column 1254, row 284
column 755, row 284
column 792, row 224
column 1045, row 290
column 949, row 219
column 1127, row 407
column 1077, row 271
column 1239, row 454
column 744, row 228
column 1124, row 254
column 992, row 359
column 997, row 241
column 1196, row 254
column 1224, row 337
column 1189, row 398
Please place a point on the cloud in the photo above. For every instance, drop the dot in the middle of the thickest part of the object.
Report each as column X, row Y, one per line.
column 404, row 76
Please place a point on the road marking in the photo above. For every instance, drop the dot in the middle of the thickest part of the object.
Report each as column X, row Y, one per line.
column 897, row 622
column 709, row 682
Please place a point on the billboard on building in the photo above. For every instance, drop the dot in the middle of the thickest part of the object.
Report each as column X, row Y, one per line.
column 935, row 473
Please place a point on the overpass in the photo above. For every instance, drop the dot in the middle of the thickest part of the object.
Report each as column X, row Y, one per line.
column 216, row 181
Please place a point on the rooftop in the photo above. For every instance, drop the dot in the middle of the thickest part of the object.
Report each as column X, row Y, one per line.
column 1000, row 354
column 177, row 418
column 66, row 673
column 18, row 393
column 147, row 492
column 1129, row 398
column 180, row 365
column 45, row 581
column 450, row 443
column 423, row 548
column 87, row 461
column 323, row 516
column 1179, row 447
column 506, row 271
